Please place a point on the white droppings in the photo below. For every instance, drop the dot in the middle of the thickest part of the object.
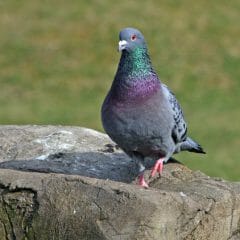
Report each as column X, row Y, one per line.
column 182, row 194
column 66, row 146
column 74, row 211
column 42, row 157
column 94, row 133
column 38, row 141
column 65, row 132
column 57, row 141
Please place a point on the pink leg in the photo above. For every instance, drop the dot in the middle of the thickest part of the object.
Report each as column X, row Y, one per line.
column 141, row 181
column 158, row 167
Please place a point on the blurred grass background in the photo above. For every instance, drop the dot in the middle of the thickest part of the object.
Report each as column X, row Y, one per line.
column 58, row 59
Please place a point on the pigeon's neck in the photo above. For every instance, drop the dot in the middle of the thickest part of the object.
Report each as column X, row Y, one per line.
column 135, row 64
column 135, row 79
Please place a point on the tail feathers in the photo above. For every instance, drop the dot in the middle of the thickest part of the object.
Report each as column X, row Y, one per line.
column 191, row 146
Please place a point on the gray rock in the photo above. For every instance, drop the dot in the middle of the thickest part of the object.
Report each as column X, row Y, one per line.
column 86, row 190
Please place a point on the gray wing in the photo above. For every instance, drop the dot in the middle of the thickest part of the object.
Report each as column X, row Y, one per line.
column 179, row 131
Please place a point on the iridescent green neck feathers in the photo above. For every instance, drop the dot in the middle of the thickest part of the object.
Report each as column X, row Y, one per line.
column 135, row 63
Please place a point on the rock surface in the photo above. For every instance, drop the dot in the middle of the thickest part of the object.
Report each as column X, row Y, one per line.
column 73, row 183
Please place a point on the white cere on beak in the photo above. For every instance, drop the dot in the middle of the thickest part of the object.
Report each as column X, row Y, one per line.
column 122, row 45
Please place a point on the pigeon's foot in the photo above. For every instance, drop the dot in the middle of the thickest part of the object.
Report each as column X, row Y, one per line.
column 158, row 167
column 141, row 181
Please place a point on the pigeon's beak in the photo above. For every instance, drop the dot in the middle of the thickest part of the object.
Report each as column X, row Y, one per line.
column 122, row 45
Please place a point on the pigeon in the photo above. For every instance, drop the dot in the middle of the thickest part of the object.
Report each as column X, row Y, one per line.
column 140, row 113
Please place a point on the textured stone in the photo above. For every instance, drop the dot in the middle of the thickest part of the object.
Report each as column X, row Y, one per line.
column 74, row 183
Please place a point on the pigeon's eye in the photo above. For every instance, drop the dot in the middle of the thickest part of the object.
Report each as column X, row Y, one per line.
column 133, row 37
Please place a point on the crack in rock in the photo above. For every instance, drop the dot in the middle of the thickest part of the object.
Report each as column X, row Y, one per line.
column 19, row 206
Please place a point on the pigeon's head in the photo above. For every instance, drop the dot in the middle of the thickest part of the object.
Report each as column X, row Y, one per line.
column 130, row 39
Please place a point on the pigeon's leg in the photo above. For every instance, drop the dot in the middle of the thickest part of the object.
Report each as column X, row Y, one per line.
column 158, row 167
column 141, row 180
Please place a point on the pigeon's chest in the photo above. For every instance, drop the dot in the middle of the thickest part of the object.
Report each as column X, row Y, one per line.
column 135, row 123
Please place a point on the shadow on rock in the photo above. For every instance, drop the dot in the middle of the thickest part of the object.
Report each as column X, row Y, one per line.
column 113, row 166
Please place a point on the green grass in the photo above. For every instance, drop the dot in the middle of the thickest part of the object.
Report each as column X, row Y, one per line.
column 58, row 59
